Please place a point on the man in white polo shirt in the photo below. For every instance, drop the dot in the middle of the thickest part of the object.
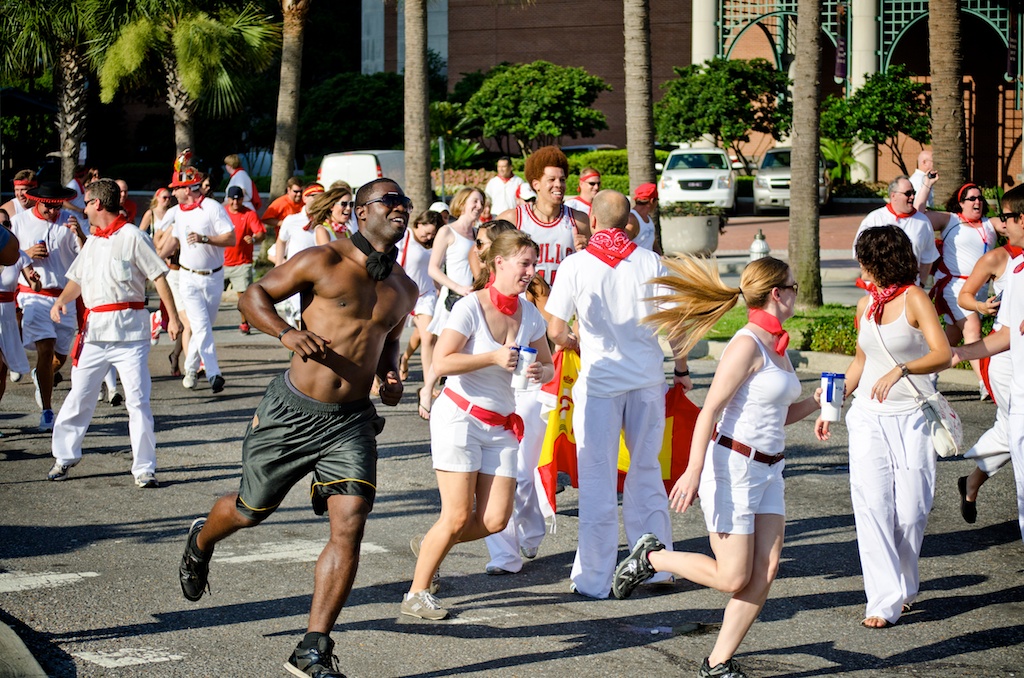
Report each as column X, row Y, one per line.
column 900, row 212
column 200, row 232
column 621, row 387
column 502, row 188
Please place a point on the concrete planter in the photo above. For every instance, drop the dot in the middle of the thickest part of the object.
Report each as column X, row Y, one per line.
column 690, row 235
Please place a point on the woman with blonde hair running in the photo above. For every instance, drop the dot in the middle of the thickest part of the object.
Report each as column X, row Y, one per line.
column 474, row 430
column 737, row 465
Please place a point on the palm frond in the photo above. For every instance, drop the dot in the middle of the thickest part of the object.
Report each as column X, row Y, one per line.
column 122, row 61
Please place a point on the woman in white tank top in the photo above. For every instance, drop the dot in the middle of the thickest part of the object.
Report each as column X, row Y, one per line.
column 892, row 459
column 738, row 469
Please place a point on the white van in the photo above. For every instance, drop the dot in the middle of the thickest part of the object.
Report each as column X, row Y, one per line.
column 360, row 167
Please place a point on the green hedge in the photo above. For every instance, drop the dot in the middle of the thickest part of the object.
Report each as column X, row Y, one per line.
column 834, row 334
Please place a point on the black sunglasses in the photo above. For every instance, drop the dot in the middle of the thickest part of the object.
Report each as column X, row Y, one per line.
column 391, row 201
column 1006, row 216
column 795, row 287
column 345, row 203
column 971, row 198
column 910, row 194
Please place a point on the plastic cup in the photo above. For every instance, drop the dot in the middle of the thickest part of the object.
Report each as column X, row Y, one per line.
column 833, row 386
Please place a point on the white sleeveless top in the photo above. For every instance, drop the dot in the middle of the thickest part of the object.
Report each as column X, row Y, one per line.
column 905, row 343
column 998, row 285
column 456, row 259
column 962, row 246
column 554, row 238
column 757, row 413
column 415, row 258
column 645, row 238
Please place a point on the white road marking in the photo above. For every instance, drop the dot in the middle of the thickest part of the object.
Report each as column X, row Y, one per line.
column 465, row 619
column 297, row 551
column 26, row 581
column 131, row 656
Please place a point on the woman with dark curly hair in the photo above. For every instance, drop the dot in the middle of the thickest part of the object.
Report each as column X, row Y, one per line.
column 892, row 459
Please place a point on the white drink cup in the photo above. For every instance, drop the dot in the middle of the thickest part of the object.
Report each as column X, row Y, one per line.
column 527, row 356
column 833, row 386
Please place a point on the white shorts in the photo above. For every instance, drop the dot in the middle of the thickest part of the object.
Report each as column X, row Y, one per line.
column 734, row 489
column 172, row 282
column 462, row 444
column 36, row 324
column 950, row 293
column 425, row 304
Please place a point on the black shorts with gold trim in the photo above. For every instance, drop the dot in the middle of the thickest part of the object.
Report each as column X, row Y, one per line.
column 292, row 435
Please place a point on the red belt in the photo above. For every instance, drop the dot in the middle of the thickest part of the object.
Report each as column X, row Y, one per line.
column 8, row 296
column 512, row 422
column 76, row 349
column 46, row 291
column 748, row 451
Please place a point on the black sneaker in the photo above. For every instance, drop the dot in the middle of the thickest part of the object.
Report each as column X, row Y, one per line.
column 728, row 669
column 217, row 383
column 636, row 568
column 317, row 662
column 193, row 571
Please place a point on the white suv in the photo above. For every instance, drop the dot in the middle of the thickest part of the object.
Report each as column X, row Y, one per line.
column 771, row 185
column 698, row 175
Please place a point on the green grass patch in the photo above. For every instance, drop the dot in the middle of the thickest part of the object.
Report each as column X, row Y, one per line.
column 829, row 328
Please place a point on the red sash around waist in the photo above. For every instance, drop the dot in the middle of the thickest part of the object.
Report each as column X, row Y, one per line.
column 46, row 291
column 512, row 422
column 7, row 297
column 76, row 349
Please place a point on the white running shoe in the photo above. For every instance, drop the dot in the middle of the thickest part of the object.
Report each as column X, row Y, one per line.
column 189, row 380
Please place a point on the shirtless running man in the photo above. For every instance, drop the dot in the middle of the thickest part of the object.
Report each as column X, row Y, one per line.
column 317, row 416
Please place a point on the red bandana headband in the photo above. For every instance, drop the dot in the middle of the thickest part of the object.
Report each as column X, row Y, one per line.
column 312, row 190
column 27, row 183
column 965, row 187
column 588, row 175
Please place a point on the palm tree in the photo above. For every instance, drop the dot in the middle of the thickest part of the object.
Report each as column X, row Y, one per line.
column 804, row 243
column 417, row 117
column 639, row 117
column 948, row 137
column 51, row 35
column 202, row 49
column 295, row 12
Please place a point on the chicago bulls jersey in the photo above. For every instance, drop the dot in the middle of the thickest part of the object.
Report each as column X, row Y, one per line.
column 554, row 238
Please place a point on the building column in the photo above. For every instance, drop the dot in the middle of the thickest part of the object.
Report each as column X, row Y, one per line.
column 864, row 60
column 704, row 39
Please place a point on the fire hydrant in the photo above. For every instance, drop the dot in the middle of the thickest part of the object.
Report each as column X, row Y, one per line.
column 759, row 248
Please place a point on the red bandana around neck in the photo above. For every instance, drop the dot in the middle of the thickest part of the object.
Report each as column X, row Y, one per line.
column 769, row 323
column 113, row 228
column 900, row 215
column 611, row 245
column 35, row 212
column 506, row 304
column 882, row 296
column 1013, row 250
column 192, row 206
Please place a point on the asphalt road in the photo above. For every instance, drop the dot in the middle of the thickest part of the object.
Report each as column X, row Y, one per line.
column 88, row 567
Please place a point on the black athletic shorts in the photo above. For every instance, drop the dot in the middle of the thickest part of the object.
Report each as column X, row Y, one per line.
column 292, row 434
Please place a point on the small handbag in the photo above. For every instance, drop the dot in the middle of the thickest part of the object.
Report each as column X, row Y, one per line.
column 450, row 300
column 946, row 431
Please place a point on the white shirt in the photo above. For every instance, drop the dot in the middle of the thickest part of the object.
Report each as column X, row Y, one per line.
column 489, row 387
column 10, row 276
column 963, row 244
column 618, row 353
column 293, row 234
column 916, row 226
column 209, row 219
column 61, row 243
column 241, row 179
column 79, row 202
column 415, row 258
column 577, row 203
column 502, row 193
column 903, row 342
column 645, row 238
column 917, row 181
column 554, row 238
column 1011, row 314
column 113, row 270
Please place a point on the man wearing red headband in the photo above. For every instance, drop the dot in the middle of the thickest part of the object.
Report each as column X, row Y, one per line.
column 110, row 275
column 52, row 238
column 23, row 181
column 502, row 188
column 641, row 225
column 590, row 184
column 200, row 230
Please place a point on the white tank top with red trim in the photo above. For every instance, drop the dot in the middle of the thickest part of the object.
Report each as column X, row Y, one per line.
column 554, row 238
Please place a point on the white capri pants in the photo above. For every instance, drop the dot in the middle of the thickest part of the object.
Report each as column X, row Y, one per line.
column 892, row 484
column 10, row 339
column 131, row 360
column 461, row 443
column 200, row 295
column 597, row 423
column 526, row 527
column 992, row 451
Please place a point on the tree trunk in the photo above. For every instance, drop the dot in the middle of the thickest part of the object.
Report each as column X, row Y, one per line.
column 804, row 243
column 948, row 138
column 182, row 107
column 295, row 12
column 639, row 118
column 417, row 116
column 69, row 76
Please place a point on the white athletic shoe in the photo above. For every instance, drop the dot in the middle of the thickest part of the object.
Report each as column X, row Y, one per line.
column 189, row 380
column 16, row 377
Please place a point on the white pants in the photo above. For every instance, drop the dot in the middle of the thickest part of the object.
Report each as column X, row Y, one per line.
column 1016, row 426
column 597, row 423
column 992, row 451
column 131, row 360
column 526, row 527
column 201, row 296
column 892, row 483
column 10, row 339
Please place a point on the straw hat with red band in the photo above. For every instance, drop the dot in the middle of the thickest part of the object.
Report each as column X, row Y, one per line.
column 51, row 193
column 184, row 174
column 646, row 192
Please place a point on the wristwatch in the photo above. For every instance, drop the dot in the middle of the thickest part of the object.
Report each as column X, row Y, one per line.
column 204, row 239
column 904, row 370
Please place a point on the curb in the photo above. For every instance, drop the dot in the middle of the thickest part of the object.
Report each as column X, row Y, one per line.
column 15, row 659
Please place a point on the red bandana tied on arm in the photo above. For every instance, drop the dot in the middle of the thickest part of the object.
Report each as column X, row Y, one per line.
column 882, row 296
column 113, row 228
column 506, row 304
column 611, row 246
column 769, row 323
column 900, row 215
